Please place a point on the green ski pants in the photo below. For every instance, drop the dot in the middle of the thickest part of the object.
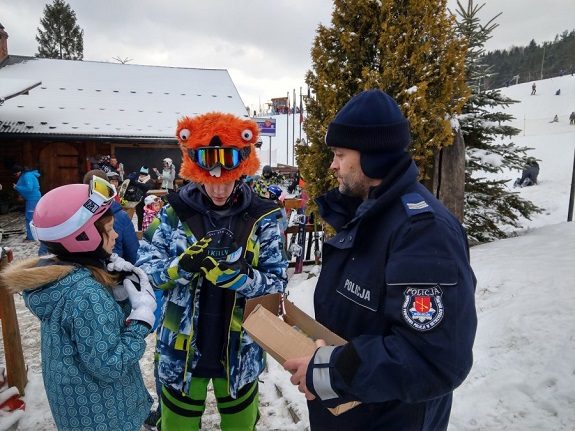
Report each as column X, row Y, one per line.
column 183, row 412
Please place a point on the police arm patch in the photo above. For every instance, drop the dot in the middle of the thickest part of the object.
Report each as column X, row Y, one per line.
column 423, row 308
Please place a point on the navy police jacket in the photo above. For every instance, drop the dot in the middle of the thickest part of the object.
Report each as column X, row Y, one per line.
column 396, row 283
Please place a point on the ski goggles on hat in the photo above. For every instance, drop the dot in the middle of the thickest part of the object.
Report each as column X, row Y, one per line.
column 100, row 193
column 228, row 158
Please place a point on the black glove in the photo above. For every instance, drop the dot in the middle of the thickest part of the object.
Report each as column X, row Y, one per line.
column 191, row 260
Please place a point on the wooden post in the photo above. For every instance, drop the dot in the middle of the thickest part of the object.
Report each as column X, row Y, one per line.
column 451, row 179
column 15, row 366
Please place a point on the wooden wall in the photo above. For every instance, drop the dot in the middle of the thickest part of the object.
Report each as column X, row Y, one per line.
column 66, row 161
column 59, row 162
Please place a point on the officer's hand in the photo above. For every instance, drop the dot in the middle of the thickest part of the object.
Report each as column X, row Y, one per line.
column 298, row 368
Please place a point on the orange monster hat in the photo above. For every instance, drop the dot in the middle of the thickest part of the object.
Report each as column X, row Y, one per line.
column 213, row 130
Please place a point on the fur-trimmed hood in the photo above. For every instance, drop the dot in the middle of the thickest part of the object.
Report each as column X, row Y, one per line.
column 33, row 273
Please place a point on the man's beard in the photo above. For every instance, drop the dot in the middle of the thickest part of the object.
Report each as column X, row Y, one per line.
column 352, row 189
column 348, row 189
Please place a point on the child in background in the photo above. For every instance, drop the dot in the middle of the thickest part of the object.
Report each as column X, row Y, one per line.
column 151, row 208
column 152, row 205
column 114, row 179
column 276, row 194
column 142, row 183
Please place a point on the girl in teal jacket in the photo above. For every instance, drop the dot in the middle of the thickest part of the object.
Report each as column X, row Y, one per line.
column 92, row 331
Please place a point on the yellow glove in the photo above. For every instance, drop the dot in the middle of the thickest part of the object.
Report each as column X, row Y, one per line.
column 231, row 273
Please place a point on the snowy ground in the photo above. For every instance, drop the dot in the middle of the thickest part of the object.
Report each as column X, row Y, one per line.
column 523, row 376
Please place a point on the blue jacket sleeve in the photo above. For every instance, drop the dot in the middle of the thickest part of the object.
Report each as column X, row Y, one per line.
column 160, row 250
column 27, row 185
column 127, row 243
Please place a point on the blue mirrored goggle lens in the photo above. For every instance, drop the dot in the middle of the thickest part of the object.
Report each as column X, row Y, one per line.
column 227, row 157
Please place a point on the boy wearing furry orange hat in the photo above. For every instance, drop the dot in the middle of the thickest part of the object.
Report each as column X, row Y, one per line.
column 212, row 247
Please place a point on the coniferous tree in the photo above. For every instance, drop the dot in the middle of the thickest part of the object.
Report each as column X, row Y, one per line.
column 533, row 61
column 406, row 48
column 489, row 205
column 61, row 37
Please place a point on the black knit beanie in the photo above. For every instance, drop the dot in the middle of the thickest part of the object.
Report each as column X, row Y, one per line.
column 371, row 123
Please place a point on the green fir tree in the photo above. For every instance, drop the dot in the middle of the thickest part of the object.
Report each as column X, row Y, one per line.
column 61, row 36
column 489, row 205
column 407, row 49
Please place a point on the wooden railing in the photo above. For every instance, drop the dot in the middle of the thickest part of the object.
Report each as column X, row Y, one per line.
column 15, row 366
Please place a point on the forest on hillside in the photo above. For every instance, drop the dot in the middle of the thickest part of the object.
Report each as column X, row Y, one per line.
column 532, row 62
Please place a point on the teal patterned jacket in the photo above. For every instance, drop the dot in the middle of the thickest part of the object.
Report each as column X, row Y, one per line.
column 90, row 357
column 163, row 243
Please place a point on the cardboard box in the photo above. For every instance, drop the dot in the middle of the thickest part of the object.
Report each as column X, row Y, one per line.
column 291, row 337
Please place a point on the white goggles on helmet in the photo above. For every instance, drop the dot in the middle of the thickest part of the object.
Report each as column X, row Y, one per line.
column 101, row 193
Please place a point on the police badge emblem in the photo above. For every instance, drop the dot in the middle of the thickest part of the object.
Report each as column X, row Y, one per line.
column 423, row 308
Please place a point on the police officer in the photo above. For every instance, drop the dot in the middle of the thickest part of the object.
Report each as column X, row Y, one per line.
column 396, row 283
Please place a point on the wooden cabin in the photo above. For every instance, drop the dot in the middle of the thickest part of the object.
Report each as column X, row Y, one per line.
column 55, row 115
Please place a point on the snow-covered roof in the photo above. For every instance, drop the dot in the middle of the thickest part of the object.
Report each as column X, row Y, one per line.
column 101, row 100
column 15, row 87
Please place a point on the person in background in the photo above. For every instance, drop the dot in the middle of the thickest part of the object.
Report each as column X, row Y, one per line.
column 95, row 162
column 214, row 245
column 117, row 167
column 529, row 174
column 268, row 178
column 396, row 283
column 114, row 179
column 28, row 187
column 297, row 184
column 127, row 243
column 92, row 330
column 168, row 174
column 533, row 89
column 145, row 183
column 249, row 180
column 276, row 194
column 104, row 164
column 151, row 208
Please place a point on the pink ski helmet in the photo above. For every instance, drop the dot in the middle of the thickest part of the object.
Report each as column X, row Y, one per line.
column 66, row 216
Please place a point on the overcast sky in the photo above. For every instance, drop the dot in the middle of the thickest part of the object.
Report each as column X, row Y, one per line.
column 265, row 45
